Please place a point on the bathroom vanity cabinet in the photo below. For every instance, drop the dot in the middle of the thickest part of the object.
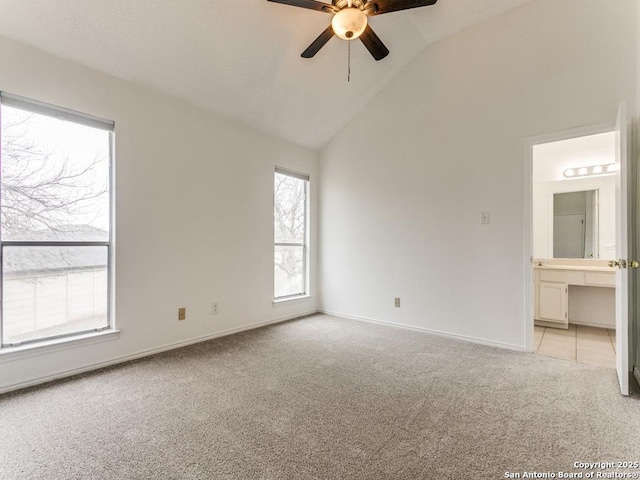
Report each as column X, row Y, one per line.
column 552, row 283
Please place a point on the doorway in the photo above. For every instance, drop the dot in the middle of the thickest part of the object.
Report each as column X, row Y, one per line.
column 573, row 230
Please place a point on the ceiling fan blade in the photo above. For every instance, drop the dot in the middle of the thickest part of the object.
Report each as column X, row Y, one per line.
column 310, row 4
column 318, row 43
column 374, row 44
column 378, row 7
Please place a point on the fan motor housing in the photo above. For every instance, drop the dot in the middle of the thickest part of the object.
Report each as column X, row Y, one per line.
column 340, row 4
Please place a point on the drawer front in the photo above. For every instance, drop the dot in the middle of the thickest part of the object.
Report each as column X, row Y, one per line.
column 601, row 279
column 575, row 278
column 552, row 276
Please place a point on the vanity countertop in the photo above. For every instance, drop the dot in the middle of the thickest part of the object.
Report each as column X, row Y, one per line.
column 585, row 268
column 577, row 264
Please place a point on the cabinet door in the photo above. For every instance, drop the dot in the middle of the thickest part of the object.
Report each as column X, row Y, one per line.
column 552, row 298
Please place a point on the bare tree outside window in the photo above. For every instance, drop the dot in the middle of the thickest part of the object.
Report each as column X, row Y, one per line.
column 52, row 187
column 290, row 211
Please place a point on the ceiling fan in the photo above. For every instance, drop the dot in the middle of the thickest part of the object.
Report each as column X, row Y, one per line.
column 350, row 20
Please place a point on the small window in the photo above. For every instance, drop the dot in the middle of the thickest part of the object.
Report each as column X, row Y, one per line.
column 55, row 222
column 290, row 234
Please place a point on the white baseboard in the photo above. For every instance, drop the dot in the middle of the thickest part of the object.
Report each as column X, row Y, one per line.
column 145, row 353
column 480, row 341
column 594, row 324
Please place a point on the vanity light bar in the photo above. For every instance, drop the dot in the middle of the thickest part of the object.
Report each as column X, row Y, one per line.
column 606, row 169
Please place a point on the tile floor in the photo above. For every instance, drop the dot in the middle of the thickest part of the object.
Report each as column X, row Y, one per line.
column 595, row 346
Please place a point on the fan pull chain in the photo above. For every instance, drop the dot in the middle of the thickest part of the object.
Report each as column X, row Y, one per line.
column 349, row 62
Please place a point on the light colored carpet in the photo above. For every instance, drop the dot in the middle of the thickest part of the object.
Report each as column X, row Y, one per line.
column 325, row 398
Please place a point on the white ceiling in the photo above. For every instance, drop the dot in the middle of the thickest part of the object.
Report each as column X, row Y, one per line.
column 240, row 58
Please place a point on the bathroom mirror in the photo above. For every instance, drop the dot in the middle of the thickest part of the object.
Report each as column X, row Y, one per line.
column 559, row 207
column 575, row 224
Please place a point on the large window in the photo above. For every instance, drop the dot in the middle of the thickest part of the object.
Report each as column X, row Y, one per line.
column 55, row 217
column 290, row 234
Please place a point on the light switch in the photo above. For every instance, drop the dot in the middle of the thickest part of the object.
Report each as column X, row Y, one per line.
column 485, row 218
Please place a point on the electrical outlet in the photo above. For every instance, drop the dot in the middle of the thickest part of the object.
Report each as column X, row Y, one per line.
column 214, row 308
column 182, row 313
column 397, row 302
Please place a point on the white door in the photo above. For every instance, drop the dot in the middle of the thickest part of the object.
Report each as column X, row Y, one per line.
column 622, row 273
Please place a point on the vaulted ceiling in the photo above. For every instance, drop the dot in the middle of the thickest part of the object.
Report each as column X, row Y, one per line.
column 239, row 58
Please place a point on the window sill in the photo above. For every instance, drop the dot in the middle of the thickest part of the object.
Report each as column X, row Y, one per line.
column 9, row 354
column 292, row 300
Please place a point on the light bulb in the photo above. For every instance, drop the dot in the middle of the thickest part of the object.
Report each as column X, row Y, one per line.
column 349, row 23
column 582, row 171
column 569, row 172
column 611, row 167
column 597, row 169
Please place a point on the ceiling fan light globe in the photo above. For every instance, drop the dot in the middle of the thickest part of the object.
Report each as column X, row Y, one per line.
column 349, row 23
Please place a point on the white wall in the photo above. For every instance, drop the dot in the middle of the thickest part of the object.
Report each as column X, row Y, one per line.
column 403, row 185
column 551, row 159
column 194, row 214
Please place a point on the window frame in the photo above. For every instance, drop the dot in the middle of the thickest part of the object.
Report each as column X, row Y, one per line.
column 41, row 108
column 305, row 246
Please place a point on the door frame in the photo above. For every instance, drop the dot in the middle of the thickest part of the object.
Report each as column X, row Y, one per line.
column 529, row 143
